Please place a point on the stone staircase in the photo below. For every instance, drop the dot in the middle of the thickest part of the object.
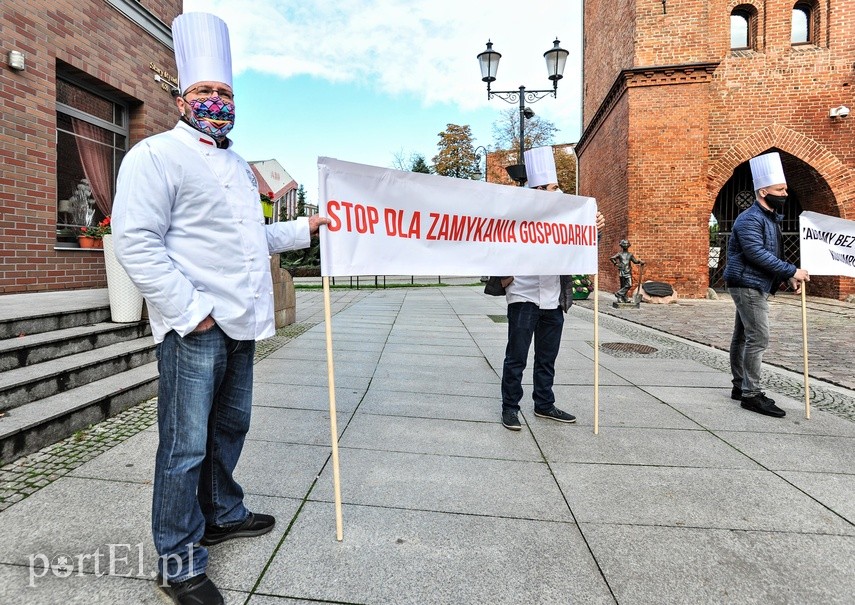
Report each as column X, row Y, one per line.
column 66, row 369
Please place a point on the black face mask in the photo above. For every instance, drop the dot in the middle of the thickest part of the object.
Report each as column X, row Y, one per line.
column 776, row 202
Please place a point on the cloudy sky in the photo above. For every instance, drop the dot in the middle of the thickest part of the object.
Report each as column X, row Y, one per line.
column 364, row 81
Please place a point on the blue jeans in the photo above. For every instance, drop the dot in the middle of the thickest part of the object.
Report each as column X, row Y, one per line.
column 750, row 338
column 526, row 319
column 203, row 411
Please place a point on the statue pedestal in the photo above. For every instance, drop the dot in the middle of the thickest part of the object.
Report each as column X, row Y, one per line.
column 625, row 305
column 284, row 297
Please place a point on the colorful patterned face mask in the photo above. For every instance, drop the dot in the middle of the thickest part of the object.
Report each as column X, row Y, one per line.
column 212, row 115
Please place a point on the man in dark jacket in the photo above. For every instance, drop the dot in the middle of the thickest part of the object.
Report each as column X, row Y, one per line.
column 755, row 270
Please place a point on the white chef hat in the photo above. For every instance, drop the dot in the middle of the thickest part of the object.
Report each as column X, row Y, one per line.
column 767, row 170
column 540, row 166
column 202, row 49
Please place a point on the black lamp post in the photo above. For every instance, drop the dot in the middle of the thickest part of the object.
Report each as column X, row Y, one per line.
column 556, row 59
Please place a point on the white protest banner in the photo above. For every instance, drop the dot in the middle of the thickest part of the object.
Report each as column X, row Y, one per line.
column 391, row 222
column 827, row 244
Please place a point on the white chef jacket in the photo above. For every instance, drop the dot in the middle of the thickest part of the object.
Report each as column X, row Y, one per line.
column 189, row 230
column 542, row 290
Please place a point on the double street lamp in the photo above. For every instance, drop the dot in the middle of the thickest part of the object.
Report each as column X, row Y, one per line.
column 556, row 59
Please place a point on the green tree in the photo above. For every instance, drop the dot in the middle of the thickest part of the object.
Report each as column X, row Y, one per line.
column 456, row 156
column 419, row 165
column 414, row 162
column 301, row 201
column 506, row 131
column 565, row 168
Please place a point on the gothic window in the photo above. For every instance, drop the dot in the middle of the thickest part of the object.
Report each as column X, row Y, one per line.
column 743, row 27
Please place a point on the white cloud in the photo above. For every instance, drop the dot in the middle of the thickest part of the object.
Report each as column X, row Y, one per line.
column 408, row 46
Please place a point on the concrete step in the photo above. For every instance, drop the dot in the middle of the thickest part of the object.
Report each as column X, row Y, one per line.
column 37, row 324
column 49, row 378
column 36, row 312
column 37, row 348
column 34, row 425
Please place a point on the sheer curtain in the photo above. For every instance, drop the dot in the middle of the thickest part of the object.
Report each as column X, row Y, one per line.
column 96, row 151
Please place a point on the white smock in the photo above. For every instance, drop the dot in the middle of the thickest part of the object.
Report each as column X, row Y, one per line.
column 189, row 230
column 542, row 290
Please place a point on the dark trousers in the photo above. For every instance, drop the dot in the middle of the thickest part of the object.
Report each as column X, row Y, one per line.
column 527, row 320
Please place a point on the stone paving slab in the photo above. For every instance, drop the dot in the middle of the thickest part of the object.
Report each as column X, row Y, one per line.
column 789, row 452
column 834, row 490
column 693, row 497
column 475, row 486
column 450, row 374
column 401, row 557
column 436, row 388
column 626, row 406
column 268, row 371
column 466, row 350
column 416, row 405
column 283, row 425
column 88, row 589
column 237, row 564
column 438, row 436
column 131, row 461
column 675, row 566
column 257, row 599
column 641, row 376
column 315, row 397
column 642, row 446
column 65, row 508
column 715, row 410
column 284, row 470
column 344, row 366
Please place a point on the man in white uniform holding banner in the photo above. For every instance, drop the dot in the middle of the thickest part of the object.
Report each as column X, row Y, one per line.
column 189, row 231
column 536, row 307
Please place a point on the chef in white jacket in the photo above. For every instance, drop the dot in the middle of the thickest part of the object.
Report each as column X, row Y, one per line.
column 189, row 230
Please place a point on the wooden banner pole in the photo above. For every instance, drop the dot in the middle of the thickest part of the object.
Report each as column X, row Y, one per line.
column 596, row 353
column 805, row 349
column 339, row 531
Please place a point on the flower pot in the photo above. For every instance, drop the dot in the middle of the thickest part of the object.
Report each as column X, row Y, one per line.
column 267, row 209
column 86, row 242
column 125, row 300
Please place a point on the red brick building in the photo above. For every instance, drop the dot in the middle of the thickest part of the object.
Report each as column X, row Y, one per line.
column 679, row 94
column 87, row 92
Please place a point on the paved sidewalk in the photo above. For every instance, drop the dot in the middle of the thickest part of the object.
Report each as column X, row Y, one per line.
column 683, row 497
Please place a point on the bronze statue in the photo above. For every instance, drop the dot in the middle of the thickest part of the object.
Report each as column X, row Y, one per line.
column 622, row 260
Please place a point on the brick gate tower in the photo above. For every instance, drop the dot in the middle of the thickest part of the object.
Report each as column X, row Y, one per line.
column 679, row 94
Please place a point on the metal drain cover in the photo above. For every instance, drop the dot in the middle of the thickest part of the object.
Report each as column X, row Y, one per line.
column 628, row 347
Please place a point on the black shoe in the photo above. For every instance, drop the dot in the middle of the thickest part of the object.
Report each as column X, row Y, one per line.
column 768, row 400
column 198, row 590
column 510, row 420
column 556, row 414
column 736, row 393
column 762, row 405
column 254, row 525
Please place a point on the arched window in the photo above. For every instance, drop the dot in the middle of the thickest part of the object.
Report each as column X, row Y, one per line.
column 742, row 28
column 802, row 32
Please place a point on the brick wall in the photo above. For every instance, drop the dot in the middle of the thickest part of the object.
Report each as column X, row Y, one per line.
column 103, row 48
column 687, row 131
